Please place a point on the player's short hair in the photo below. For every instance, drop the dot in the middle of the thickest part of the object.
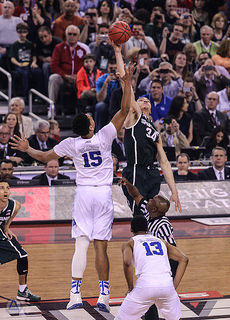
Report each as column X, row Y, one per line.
column 139, row 223
column 81, row 124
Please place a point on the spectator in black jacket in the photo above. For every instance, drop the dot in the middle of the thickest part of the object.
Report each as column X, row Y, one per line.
column 118, row 147
column 40, row 140
column 206, row 120
column 218, row 171
column 51, row 173
column 183, row 163
column 7, row 170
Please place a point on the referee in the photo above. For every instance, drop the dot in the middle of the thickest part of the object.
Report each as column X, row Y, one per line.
column 158, row 224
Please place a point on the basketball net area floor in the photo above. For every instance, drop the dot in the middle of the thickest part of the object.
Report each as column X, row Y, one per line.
column 194, row 305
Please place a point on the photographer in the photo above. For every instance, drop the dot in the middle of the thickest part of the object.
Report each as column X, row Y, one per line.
column 105, row 85
column 169, row 78
column 154, row 29
column 101, row 48
column 211, row 80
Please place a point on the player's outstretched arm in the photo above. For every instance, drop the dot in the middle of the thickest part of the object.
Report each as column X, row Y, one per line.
column 177, row 255
column 132, row 190
column 7, row 230
column 22, row 144
column 167, row 172
column 120, row 116
column 127, row 251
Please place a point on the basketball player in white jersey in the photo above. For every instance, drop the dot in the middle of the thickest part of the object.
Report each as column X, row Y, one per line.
column 150, row 258
column 93, row 206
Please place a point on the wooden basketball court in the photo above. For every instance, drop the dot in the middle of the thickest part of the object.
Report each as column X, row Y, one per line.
column 50, row 250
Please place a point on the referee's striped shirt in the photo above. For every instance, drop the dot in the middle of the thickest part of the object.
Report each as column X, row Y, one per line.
column 159, row 227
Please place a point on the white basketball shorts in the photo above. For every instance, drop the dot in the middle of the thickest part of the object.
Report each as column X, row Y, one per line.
column 93, row 212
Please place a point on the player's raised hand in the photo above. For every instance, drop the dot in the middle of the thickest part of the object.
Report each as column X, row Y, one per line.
column 175, row 198
column 18, row 143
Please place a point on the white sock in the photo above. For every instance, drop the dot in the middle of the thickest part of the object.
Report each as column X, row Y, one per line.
column 76, row 285
column 22, row 287
column 104, row 286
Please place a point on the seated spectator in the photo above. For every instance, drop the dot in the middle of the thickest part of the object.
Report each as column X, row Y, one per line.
column 105, row 85
column 101, row 48
column 189, row 92
column 89, row 30
column 211, row 80
column 51, row 173
column 179, row 109
column 182, row 173
column 180, row 65
column 12, row 121
column 224, row 100
column 189, row 33
column 205, row 44
column 44, row 51
column 8, row 34
column 66, row 61
column 23, row 58
column 199, row 13
column 219, row 138
column 118, row 147
column 222, row 56
column 206, row 120
column 36, row 20
column 86, row 83
column 203, row 57
column 138, row 39
column 171, row 15
column 172, row 136
column 40, row 140
column 143, row 69
column 115, row 167
column 191, row 55
column 160, row 103
column 17, row 106
column 219, row 24
column 7, row 170
column 155, row 27
column 54, row 132
column 66, row 19
column 169, row 78
column 6, row 152
column 218, row 171
column 105, row 12
column 172, row 44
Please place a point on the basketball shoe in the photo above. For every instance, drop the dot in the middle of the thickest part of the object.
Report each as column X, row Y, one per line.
column 75, row 301
column 27, row 295
column 103, row 302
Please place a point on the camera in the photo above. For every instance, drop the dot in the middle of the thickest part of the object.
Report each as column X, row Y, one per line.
column 104, row 37
column 186, row 89
column 141, row 61
column 186, row 16
column 162, row 121
column 206, row 68
column 90, row 14
column 113, row 71
column 158, row 16
column 164, row 71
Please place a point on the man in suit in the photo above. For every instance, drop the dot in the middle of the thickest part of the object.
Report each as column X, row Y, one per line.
column 218, row 171
column 40, row 140
column 7, row 170
column 6, row 152
column 51, row 173
column 206, row 120
column 118, row 147
column 183, row 163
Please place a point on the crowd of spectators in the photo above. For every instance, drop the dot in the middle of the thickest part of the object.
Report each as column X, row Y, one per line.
column 182, row 52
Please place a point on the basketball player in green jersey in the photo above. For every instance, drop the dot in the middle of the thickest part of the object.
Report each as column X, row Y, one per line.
column 143, row 147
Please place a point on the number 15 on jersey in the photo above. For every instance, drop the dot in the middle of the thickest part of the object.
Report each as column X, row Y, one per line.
column 92, row 159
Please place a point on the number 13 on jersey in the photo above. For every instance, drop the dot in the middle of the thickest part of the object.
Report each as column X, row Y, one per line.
column 153, row 248
column 92, row 158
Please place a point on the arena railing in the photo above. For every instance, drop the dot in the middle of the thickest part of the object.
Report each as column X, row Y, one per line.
column 9, row 89
column 51, row 108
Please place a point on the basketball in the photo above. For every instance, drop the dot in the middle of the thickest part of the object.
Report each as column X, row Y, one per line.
column 119, row 32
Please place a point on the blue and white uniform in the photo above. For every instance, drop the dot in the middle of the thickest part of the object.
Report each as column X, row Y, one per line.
column 93, row 207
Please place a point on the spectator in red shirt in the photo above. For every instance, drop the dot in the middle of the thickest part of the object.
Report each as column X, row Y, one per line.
column 66, row 61
column 67, row 19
